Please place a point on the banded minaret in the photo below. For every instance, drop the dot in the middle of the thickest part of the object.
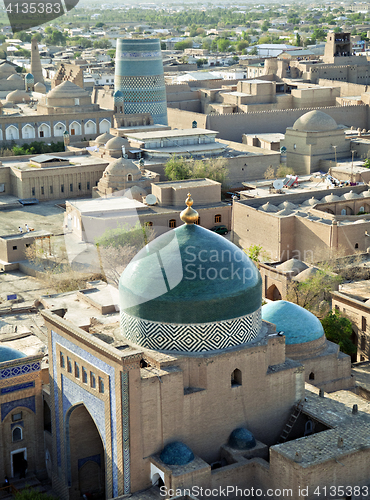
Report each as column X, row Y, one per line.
column 139, row 76
column 36, row 69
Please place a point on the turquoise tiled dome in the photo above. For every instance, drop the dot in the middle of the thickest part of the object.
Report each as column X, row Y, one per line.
column 190, row 275
column 242, row 439
column 29, row 77
column 298, row 324
column 176, row 453
column 8, row 354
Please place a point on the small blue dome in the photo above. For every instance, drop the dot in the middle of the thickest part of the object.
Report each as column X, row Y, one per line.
column 8, row 354
column 242, row 439
column 29, row 76
column 176, row 453
column 298, row 324
column 118, row 96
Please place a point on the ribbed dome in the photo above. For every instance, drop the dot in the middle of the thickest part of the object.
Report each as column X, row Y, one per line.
column 68, row 90
column 351, row 196
column 8, row 354
column 242, row 439
column 14, row 78
column 292, row 265
column 116, row 144
column 29, row 77
column 103, row 138
column 330, row 198
column 315, row 121
column 123, row 166
column 176, row 453
column 311, row 202
column 298, row 324
column 18, row 96
column 208, row 279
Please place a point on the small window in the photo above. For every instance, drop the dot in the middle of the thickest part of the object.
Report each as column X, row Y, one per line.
column 17, row 434
column 84, row 375
column 69, row 365
column 92, row 380
column 172, row 223
column 15, row 247
column 16, row 417
column 28, row 245
column 363, row 343
column 88, row 186
column 217, row 218
column 356, row 245
column 71, row 187
column 129, row 177
column 236, row 378
column 79, row 186
column 62, row 188
column 311, row 376
column 363, row 324
column 51, row 189
column 77, row 101
column 42, row 189
column 61, row 360
column 33, row 191
column 197, row 222
column 77, row 370
column 101, row 385
column 41, row 133
column 150, row 224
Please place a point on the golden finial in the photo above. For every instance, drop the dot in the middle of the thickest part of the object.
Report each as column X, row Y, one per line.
column 189, row 215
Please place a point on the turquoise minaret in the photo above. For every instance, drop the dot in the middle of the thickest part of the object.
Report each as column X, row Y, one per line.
column 139, row 76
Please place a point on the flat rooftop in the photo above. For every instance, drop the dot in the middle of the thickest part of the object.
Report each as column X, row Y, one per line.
column 98, row 205
column 32, row 234
column 158, row 134
column 74, row 160
column 189, row 183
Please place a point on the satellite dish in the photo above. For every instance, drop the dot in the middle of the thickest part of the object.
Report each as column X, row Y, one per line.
column 278, row 184
column 151, row 199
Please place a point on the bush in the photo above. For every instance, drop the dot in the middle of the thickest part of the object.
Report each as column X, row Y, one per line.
column 283, row 171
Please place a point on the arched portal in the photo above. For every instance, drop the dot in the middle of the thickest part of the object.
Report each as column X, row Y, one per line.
column 85, row 454
column 273, row 293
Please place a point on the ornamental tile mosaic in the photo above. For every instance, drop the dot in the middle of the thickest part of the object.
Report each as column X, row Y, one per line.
column 193, row 337
column 16, row 371
column 29, row 403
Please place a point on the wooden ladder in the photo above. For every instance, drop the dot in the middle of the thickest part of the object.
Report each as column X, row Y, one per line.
column 290, row 424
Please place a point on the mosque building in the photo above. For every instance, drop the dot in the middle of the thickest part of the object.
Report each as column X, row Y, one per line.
column 202, row 389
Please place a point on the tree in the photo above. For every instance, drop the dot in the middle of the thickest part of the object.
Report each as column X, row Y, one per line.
column 283, row 171
column 298, row 40
column 103, row 43
column 55, row 37
column 223, row 44
column 111, row 53
column 253, row 51
column 242, row 45
column 269, row 173
column 179, row 168
column 185, row 44
column 30, row 494
column 315, row 291
column 338, row 329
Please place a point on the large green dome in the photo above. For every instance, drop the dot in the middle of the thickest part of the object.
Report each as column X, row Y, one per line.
column 190, row 290
column 190, row 275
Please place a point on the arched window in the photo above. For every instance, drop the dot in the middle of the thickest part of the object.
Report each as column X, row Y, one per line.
column 236, row 378
column 356, row 245
column 172, row 223
column 17, row 434
column 129, row 177
column 217, row 218
column 311, row 376
column 150, row 224
column 343, row 211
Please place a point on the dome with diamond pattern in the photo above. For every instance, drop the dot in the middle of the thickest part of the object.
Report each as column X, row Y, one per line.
column 190, row 290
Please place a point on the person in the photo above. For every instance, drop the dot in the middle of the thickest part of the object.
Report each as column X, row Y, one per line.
column 20, row 229
column 27, row 228
column 6, row 484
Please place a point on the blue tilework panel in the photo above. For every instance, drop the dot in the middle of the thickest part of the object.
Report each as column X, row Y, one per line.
column 16, row 371
column 73, row 394
column 29, row 403
column 18, row 387
column 94, row 458
column 104, row 367
column 126, row 434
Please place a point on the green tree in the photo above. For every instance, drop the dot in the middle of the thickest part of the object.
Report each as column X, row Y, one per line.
column 253, row 51
column 185, row 44
column 125, row 235
column 30, row 494
column 298, row 40
column 338, row 329
column 177, row 169
column 56, row 37
column 103, row 43
column 111, row 53
column 223, row 44
column 242, row 45
column 253, row 252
